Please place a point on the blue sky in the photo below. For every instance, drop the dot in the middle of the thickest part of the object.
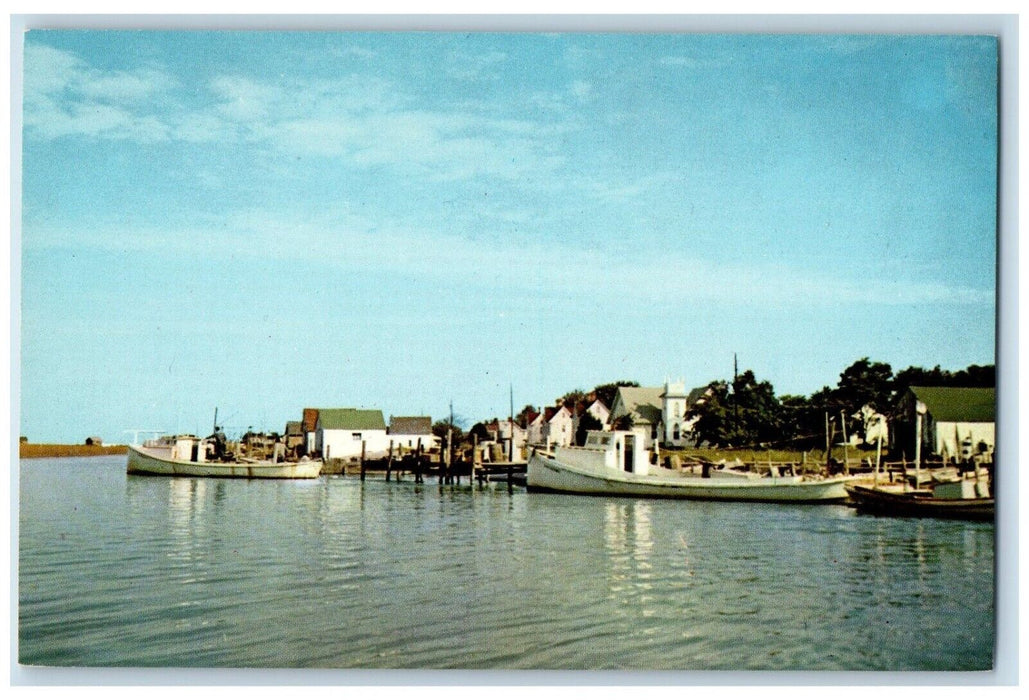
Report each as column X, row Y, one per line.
column 261, row 222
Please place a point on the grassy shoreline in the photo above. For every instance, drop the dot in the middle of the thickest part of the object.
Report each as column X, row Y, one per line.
column 27, row 450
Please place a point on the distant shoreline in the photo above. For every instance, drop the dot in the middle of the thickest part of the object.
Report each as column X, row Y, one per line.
column 28, row 450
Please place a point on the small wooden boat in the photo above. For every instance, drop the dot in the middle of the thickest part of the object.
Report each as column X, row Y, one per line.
column 615, row 463
column 965, row 499
column 186, row 455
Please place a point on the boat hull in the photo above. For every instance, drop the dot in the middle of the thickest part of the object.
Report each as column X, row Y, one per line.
column 882, row 502
column 140, row 461
column 548, row 474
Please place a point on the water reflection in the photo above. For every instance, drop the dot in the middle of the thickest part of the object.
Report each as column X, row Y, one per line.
column 335, row 573
column 629, row 543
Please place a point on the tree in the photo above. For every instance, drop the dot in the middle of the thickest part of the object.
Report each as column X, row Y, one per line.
column 623, row 422
column 573, row 398
column 803, row 421
column 972, row 376
column 587, row 422
column 523, row 415
column 865, row 383
column 440, row 427
column 744, row 412
column 606, row 392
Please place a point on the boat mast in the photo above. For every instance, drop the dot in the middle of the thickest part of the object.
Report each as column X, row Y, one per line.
column 920, row 410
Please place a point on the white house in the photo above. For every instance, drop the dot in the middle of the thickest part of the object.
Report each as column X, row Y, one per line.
column 340, row 433
column 408, row 432
column 558, row 426
column 511, row 436
column 534, row 428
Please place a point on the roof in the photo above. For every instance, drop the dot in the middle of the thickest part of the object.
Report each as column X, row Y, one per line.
column 351, row 419
column 293, row 427
column 958, row 404
column 696, row 395
column 410, row 425
column 642, row 402
column 310, row 419
column 551, row 412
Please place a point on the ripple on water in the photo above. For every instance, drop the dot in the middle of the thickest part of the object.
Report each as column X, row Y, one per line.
column 334, row 573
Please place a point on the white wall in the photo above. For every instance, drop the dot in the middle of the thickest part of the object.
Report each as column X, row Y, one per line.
column 343, row 444
column 950, row 435
column 558, row 431
column 410, row 442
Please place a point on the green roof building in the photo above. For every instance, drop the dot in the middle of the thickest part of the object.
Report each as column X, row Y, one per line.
column 347, row 433
column 959, row 421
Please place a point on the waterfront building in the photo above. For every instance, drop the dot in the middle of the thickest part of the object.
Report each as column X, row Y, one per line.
column 960, row 422
column 408, row 432
column 341, row 433
column 309, row 427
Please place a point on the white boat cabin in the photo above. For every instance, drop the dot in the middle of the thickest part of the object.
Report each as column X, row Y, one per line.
column 618, row 450
column 185, row 448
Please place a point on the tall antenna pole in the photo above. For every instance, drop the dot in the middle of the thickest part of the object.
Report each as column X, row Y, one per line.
column 510, row 424
column 735, row 409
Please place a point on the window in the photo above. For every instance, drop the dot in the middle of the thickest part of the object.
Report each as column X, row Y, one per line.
column 356, row 436
column 675, row 432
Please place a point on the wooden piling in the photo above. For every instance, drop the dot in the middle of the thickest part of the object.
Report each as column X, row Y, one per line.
column 846, row 460
column 363, row 445
column 389, row 461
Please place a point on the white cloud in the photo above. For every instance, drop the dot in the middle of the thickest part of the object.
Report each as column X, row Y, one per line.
column 349, row 242
column 64, row 96
column 365, row 120
column 244, row 100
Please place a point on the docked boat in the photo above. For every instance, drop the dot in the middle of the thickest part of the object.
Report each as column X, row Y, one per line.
column 616, row 463
column 950, row 495
column 965, row 499
column 187, row 455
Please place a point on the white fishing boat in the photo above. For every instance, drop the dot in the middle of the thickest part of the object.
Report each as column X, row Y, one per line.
column 187, row 455
column 616, row 464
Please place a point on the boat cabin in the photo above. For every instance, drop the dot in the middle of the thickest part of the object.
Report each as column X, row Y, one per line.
column 620, row 450
column 186, row 448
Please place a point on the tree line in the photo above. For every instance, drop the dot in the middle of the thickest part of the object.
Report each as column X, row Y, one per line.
column 746, row 412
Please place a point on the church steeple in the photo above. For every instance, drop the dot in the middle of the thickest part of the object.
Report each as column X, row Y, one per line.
column 673, row 411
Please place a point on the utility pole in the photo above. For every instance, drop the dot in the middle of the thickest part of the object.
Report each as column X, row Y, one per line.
column 735, row 407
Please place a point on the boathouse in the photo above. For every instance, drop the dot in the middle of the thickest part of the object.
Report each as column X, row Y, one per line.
column 309, row 427
column 294, row 437
column 342, row 433
column 408, row 432
column 960, row 422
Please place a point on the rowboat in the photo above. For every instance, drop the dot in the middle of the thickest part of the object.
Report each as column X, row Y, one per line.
column 964, row 499
column 186, row 455
column 614, row 463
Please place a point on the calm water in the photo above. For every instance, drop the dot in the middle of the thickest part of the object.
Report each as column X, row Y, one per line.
column 119, row 570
